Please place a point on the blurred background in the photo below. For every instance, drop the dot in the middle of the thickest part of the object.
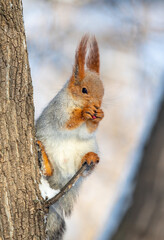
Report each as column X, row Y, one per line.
column 131, row 42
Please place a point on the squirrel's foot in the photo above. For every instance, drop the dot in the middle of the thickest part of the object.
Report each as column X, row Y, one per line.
column 90, row 158
column 93, row 113
column 43, row 159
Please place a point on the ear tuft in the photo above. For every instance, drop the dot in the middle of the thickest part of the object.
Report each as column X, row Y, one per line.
column 93, row 60
column 79, row 67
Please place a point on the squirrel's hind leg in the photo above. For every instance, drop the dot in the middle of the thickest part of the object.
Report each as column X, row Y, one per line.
column 45, row 163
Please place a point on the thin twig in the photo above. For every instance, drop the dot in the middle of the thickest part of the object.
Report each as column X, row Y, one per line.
column 67, row 186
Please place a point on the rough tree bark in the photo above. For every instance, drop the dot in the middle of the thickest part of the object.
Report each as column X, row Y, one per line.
column 19, row 174
column 145, row 218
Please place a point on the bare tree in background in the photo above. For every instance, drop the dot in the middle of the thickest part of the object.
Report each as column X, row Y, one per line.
column 144, row 220
column 20, row 201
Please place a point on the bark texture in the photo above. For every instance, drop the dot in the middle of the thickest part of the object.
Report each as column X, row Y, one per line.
column 145, row 218
column 19, row 174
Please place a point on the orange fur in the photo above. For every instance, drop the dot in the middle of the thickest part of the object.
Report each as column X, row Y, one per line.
column 75, row 119
column 79, row 66
column 88, row 114
column 92, row 126
column 47, row 167
column 78, row 116
column 90, row 80
column 79, row 71
column 93, row 62
column 90, row 158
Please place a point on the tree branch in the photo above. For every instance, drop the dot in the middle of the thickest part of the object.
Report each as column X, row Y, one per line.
column 68, row 186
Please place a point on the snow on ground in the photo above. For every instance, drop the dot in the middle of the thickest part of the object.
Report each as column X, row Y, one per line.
column 46, row 191
column 131, row 45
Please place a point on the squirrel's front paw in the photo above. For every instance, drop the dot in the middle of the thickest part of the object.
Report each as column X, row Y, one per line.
column 90, row 158
column 99, row 114
column 92, row 113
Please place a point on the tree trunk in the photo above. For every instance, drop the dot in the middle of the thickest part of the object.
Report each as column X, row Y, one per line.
column 145, row 218
column 20, row 200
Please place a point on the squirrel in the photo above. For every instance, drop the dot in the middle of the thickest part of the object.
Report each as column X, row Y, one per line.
column 66, row 132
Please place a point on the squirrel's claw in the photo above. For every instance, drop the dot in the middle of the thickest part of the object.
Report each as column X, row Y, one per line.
column 99, row 114
column 93, row 113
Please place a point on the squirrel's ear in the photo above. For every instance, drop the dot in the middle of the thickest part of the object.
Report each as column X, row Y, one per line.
column 93, row 61
column 79, row 67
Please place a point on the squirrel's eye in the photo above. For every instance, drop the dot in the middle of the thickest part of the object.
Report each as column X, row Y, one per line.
column 84, row 90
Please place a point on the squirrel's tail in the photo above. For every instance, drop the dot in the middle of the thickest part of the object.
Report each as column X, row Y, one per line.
column 55, row 227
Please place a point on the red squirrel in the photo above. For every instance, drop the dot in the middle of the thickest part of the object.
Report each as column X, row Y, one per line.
column 66, row 131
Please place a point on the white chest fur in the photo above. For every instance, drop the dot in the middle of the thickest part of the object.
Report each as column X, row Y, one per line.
column 67, row 148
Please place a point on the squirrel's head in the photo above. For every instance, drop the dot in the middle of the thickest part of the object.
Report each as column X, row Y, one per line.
column 85, row 84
